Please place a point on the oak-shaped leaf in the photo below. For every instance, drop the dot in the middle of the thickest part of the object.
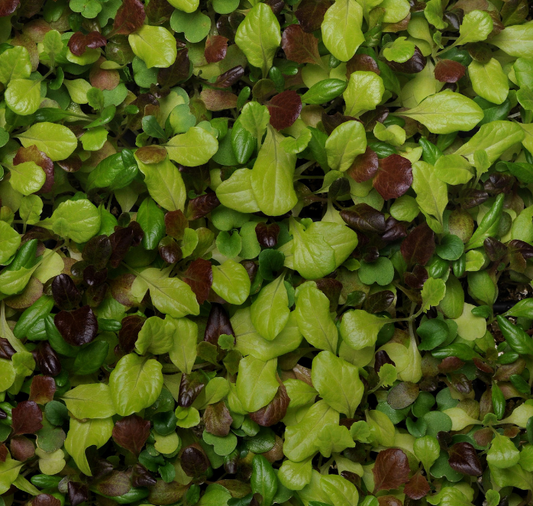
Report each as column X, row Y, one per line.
column 417, row 487
column 284, row 109
column 77, row 327
column 42, row 389
column 364, row 218
column 230, row 77
column 32, row 154
column 66, row 295
column 200, row 206
column 217, row 419
column 194, row 461
column 267, row 235
column 8, row 7
column 274, row 411
column 129, row 18
column 449, row 71
column 218, row 323
column 464, row 459
column 419, row 245
column 390, row 470
column 199, row 276
column 77, row 493
column 27, row 418
column 131, row 432
column 178, row 72
column 310, row 14
column 79, row 42
column 44, row 500
column 46, row 359
column 299, row 46
column 215, row 48
column 394, row 177
column 21, row 448
column 413, row 65
column 364, row 167
column 128, row 334
column 190, row 387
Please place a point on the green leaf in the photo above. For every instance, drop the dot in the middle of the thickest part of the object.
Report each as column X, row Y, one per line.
column 341, row 29
column 446, row 112
column 360, row 329
column 7, row 374
column 10, row 242
column 345, row 142
column 9, row 471
column 56, row 141
column 255, row 118
column 364, row 92
column 14, row 64
column 453, row 169
column 27, row 177
column 272, row 176
column 185, row 5
column 400, row 51
column 90, row 401
column 381, row 428
column 427, row 450
column 256, row 383
column 193, row 148
column 334, row 439
column 489, row 81
column 431, row 193
column 81, row 435
column 516, row 40
column 231, row 282
column 263, row 480
column 476, row 26
column 156, row 336
column 114, row 172
column 502, row 453
column 295, row 475
column 337, row 382
column 229, row 245
column 324, row 91
column 183, row 351
column 236, row 192
column 381, row 272
column 152, row 220
column 270, row 311
column 135, row 384
column 339, row 490
column 155, row 45
column 433, row 292
column 23, row 96
column 258, row 37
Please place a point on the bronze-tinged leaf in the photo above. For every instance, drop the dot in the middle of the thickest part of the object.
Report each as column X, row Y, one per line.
column 190, row 387
column 394, row 177
column 130, row 17
column 332, row 289
column 121, row 289
column 114, row 484
column 300, row 47
column 201, row 206
column 390, row 470
column 77, row 493
column 218, row 323
column 495, row 249
column 229, row 77
column 274, row 411
column 27, row 418
column 310, row 14
column 71, row 164
column 364, row 167
column 32, row 154
column 158, row 11
column 45, row 500
column 6, row 350
column 175, row 224
column 464, row 459
column 169, row 250
column 389, row 500
column 267, row 235
column 284, row 109
column 199, row 276
column 178, row 72
column 218, row 100
column 402, row 395
column 413, row 65
column 364, row 218
column 141, row 477
column 362, row 62
column 379, row 301
column 417, row 278
column 131, row 433
column 217, row 419
column 46, row 359
column 66, row 295
column 419, row 245
column 394, row 230
column 42, row 389
column 21, row 448
column 77, row 327
column 8, row 7
column 122, row 240
column 417, row 487
column 449, row 71
column 215, row 48
column 194, row 461
column 28, row 296
column 128, row 334
column 79, row 42
column 151, row 154
column 450, row 364
column 166, row 493
column 3, row 452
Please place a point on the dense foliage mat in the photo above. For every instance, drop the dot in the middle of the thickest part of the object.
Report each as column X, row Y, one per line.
column 266, row 253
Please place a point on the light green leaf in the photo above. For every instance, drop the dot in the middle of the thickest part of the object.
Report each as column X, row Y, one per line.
column 183, row 351
column 231, row 282
column 400, row 51
column 7, row 374
column 516, row 40
column 56, row 141
column 135, row 383
column 258, row 37
column 489, row 81
column 13, row 282
column 476, row 26
column 256, row 382
column 295, row 475
column 185, row 5
column 341, row 29
column 94, row 139
column 453, row 169
column 395, row 10
column 270, row 311
column 90, row 401
column 431, row 192
column 9, row 244
column 30, row 210
column 364, row 92
column 155, row 45
column 255, row 118
column 272, row 176
column 9, row 471
column 345, row 142
column 341, row 491
column 193, row 148
column 502, row 452
column 427, row 450
column 81, row 435
column 360, row 329
column 334, row 439
column 381, row 428
column 14, row 64
column 236, row 192
column 433, row 292
column 23, row 96
column 27, row 177
column 156, row 336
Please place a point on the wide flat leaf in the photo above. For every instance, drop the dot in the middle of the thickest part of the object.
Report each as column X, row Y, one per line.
column 155, row 45
column 193, row 148
column 489, row 81
column 9, row 471
column 231, row 282
column 23, row 96
column 183, row 351
column 27, row 177
column 364, row 92
column 431, row 192
column 345, row 142
column 90, row 401
column 236, row 192
column 256, row 382
column 516, row 40
column 360, row 329
column 56, row 141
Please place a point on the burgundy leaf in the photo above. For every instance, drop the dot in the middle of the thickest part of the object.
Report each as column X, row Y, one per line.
column 218, row 100
column 129, row 18
column 217, row 419
column 77, row 327
column 79, row 42
column 199, row 276
column 47, row 360
column 394, row 230
column 6, row 350
column 122, row 240
column 417, row 487
column 94, row 278
column 300, row 47
column 417, row 278
column 394, row 177
column 32, row 154
column 98, row 251
column 371, row 118
column 251, row 269
column 419, row 245
column 141, row 477
column 362, row 62
column 379, row 302
column 77, row 493
column 202, row 205
column 364, row 167
column 128, row 334
column 169, row 250
column 175, row 224
column 66, row 295
column 45, row 500
column 151, row 154
column 27, row 418
column 114, row 484
column 21, row 448
column 8, row 7
column 450, row 364
column 71, row 164
column 413, row 65
column 332, row 289
column 229, row 77
column 274, row 411
column 131, row 433
column 218, row 323
column 42, row 389
column 194, row 461
column 190, row 387
column 464, row 459
column 310, row 14
column 364, row 218
column 284, row 109
column 474, row 198
column 215, row 48
column 3, row 452
column 178, row 72
column 381, row 358
column 483, row 366
column 158, row 11
column 449, row 71
column 495, row 249
column 389, row 500
column 390, row 470
column 267, row 235
column 276, row 5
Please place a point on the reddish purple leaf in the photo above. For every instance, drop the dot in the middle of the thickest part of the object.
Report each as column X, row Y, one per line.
column 6, row 350
column 389, row 500
column 32, row 154
column 131, row 433
column 379, row 302
column 394, row 178
column 45, row 500
column 364, row 167
column 202, row 205
column 274, row 411
column 218, row 323
column 66, row 295
column 215, row 48
column 122, row 240
column 169, row 250
column 229, row 77
column 77, row 327
column 300, row 47
column 449, row 71
column 3, row 452
column 27, row 418
column 284, row 109
column 391, row 469
column 267, row 235
column 417, row 487
column 47, row 359
column 394, row 230
column 413, row 65
column 194, row 461
column 190, row 387
column 419, row 245
column 364, row 218
column 362, row 62
column 332, row 121
column 417, row 278
column 42, row 389
column 77, row 493
column 310, row 13
column 128, row 334
column 71, row 164
column 141, row 477
column 464, row 459
column 199, row 276
column 217, row 419
column 114, row 484
column 130, row 17
column 450, row 364
column 8, row 7
column 79, row 42
column 98, row 251
column 21, row 448
column 178, row 72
